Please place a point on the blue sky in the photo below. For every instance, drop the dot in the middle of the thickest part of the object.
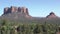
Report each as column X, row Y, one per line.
column 37, row 8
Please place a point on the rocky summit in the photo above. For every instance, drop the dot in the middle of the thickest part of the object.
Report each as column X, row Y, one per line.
column 52, row 15
column 13, row 9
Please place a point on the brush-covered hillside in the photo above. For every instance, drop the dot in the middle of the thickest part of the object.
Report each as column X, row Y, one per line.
column 16, row 20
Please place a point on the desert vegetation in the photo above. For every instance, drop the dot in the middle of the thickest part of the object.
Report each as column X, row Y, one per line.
column 34, row 28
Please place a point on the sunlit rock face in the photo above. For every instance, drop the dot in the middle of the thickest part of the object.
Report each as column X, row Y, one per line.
column 52, row 15
column 13, row 9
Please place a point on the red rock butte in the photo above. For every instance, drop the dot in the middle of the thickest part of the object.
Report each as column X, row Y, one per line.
column 16, row 9
column 52, row 15
column 12, row 9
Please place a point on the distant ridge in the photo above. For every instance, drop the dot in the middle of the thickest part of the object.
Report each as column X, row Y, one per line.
column 21, row 15
column 18, row 12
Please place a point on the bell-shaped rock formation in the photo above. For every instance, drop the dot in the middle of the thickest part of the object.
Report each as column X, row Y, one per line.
column 52, row 15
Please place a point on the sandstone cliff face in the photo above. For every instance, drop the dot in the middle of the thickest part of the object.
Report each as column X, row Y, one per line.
column 51, row 15
column 13, row 9
column 16, row 9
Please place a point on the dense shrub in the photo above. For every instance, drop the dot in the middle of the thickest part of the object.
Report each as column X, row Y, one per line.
column 6, row 28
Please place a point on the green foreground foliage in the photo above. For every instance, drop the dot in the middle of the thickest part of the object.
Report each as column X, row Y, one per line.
column 34, row 28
